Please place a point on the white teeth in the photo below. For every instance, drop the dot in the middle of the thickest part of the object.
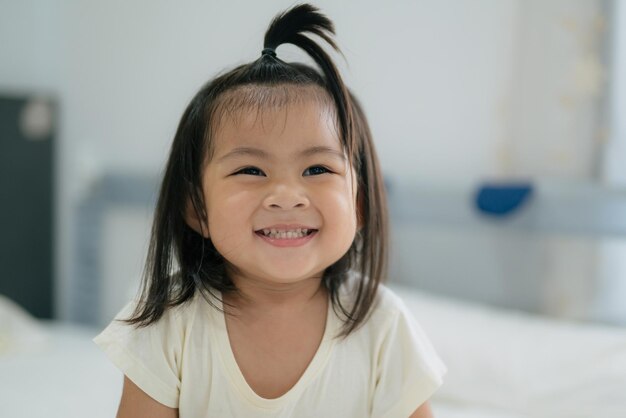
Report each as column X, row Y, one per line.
column 292, row 234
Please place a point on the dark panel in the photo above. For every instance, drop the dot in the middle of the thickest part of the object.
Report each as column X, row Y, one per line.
column 26, row 193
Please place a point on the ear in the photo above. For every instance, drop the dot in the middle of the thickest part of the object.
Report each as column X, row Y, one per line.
column 194, row 220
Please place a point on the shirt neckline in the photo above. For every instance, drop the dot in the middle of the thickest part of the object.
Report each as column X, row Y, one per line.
column 237, row 379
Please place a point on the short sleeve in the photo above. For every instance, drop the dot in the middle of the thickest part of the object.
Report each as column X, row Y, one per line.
column 409, row 370
column 148, row 356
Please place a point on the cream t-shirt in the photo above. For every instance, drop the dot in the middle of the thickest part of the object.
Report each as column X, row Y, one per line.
column 386, row 368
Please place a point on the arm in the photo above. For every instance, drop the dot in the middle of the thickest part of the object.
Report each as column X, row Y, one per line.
column 423, row 411
column 136, row 403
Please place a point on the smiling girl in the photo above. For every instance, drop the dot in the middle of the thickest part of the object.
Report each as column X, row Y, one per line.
column 262, row 295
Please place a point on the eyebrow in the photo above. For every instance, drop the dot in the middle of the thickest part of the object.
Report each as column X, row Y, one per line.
column 244, row 152
column 320, row 149
column 259, row 153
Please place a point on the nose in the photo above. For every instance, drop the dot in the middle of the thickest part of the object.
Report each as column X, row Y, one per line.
column 284, row 195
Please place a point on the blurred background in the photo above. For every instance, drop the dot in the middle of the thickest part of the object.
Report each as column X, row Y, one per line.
column 496, row 123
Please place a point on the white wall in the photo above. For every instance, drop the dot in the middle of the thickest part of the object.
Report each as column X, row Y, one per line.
column 431, row 74
column 615, row 169
column 440, row 80
column 560, row 87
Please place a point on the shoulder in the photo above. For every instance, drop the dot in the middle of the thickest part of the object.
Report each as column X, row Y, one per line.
column 164, row 337
column 387, row 309
column 384, row 313
column 408, row 369
column 176, row 317
column 388, row 301
column 152, row 356
column 406, row 331
column 392, row 327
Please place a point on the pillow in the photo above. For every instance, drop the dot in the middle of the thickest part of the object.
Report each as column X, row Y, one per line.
column 524, row 363
column 19, row 331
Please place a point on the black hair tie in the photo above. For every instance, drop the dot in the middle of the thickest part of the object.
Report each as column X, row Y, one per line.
column 269, row 51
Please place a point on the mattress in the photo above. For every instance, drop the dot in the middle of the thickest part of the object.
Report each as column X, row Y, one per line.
column 501, row 364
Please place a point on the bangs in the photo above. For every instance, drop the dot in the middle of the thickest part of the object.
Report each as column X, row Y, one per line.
column 259, row 99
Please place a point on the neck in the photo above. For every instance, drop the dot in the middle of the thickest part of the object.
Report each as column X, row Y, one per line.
column 263, row 296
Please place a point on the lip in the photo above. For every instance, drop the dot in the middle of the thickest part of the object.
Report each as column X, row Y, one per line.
column 286, row 227
column 287, row 242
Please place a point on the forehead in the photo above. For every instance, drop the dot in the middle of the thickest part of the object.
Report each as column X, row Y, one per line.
column 282, row 117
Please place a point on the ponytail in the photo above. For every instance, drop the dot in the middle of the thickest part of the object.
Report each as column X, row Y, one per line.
column 291, row 27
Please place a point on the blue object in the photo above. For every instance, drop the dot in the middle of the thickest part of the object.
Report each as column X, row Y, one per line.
column 502, row 199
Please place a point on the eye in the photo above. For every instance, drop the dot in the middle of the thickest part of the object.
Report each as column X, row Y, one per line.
column 251, row 171
column 316, row 170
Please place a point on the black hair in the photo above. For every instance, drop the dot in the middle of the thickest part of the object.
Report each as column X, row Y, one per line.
column 182, row 261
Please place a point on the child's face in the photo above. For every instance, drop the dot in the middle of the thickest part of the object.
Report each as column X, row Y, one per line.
column 282, row 169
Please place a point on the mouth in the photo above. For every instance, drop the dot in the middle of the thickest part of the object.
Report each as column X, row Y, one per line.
column 294, row 233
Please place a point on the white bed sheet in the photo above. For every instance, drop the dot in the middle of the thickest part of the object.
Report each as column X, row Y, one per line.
column 501, row 365
column 518, row 363
column 64, row 375
column 67, row 376
column 443, row 409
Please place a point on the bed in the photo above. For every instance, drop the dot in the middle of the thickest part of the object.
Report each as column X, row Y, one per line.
column 52, row 369
column 506, row 364
column 502, row 364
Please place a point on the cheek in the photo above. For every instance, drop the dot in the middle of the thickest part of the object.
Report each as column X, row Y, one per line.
column 229, row 213
column 341, row 206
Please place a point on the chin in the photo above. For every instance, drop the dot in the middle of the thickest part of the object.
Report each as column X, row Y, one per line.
column 289, row 273
column 288, row 276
